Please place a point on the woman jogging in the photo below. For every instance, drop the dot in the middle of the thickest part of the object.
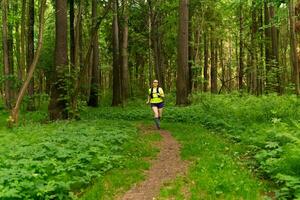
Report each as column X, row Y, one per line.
column 156, row 99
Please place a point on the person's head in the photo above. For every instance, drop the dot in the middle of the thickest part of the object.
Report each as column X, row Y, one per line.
column 155, row 83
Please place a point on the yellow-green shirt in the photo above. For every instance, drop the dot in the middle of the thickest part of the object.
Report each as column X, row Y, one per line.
column 155, row 98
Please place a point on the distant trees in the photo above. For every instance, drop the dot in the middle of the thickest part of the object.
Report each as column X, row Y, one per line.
column 116, row 48
column 182, row 83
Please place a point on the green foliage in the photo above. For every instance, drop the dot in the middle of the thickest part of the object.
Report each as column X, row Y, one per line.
column 269, row 124
column 57, row 161
column 217, row 170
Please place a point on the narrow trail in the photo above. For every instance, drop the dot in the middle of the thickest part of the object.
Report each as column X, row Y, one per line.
column 165, row 167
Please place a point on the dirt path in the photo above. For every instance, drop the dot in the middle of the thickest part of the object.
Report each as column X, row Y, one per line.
column 165, row 168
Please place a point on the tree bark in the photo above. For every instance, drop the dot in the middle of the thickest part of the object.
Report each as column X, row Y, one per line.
column 241, row 48
column 124, row 53
column 30, row 53
column 254, row 30
column 15, row 111
column 293, row 44
column 206, row 78
column 213, row 69
column 182, row 69
column 22, row 40
column 6, row 59
column 58, row 103
column 72, row 34
column 94, row 89
column 117, row 98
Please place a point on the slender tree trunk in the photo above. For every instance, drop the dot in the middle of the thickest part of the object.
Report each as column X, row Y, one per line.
column 58, row 103
column 191, row 60
column 206, row 78
column 72, row 33
column 15, row 111
column 5, row 44
column 293, row 44
column 30, row 53
column 94, row 89
column 182, row 69
column 117, row 99
column 150, row 13
column 22, row 40
column 213, row 71
column 124, row 53
column 241, row 48
column 156, row 39
column 254, row 30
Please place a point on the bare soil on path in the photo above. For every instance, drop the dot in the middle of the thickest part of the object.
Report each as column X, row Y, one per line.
column 166, row 167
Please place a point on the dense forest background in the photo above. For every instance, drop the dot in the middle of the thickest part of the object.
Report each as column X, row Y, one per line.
column 74, row 123
column 86, row 51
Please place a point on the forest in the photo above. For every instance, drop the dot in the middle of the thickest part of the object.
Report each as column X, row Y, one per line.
column 76, row 75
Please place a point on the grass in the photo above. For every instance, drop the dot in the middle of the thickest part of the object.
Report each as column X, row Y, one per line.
column 118, row 181
column 62, row 160
column 217, row 171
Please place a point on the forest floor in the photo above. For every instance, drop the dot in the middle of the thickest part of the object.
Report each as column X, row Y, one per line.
column 165, row 167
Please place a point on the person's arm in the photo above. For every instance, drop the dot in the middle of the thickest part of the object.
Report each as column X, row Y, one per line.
column 161, row 93
column 148, row 101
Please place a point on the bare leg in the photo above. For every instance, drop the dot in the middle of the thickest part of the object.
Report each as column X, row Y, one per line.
column 160, row 111
column 155, row 110
column 156, row 117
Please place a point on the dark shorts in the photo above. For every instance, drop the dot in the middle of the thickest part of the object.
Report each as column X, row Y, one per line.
column 158, row 105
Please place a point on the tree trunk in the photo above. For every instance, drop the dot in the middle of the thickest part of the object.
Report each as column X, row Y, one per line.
column 58, row 103
column 241, row 48
column 7, row 72
column 15, row 111
column 254, row 30
column 124, row 53
column 72, row 34
column 293, row 44
column 182, row 69
column 30, row 53
column 213, row 69
column 117, row 98
column 191, row 60
column 206, row 78
column 22, row 40
column 94, row 89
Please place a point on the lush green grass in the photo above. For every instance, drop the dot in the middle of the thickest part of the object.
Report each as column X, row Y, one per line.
column 217, row 171
column 119, row 180
column 60, row 160
column 270, row 125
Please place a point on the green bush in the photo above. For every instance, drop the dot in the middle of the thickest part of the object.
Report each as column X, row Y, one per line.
column 269, row 124
column 58, row 160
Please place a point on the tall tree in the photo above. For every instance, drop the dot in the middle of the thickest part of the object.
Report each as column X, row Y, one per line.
column 253, row 52
column 214, row 63
column 124, row 52
column 94, row 89
column 30, row 52
column 58, row 103
column 293, row 44
column 72, row 33
column 205, row 71
column 15, row 110
column 6, row 58
column 241, row 48
column 117, row 97
column 182, row 68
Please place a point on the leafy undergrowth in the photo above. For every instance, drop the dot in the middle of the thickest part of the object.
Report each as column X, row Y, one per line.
column 269, row 125
column 60, row 160
column 218, row 168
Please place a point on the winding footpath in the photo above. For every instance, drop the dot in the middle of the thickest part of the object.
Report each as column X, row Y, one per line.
column 164, row 168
